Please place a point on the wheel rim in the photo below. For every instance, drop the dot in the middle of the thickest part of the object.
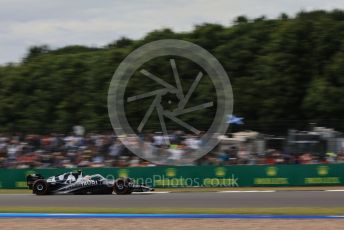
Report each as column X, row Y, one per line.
column 120, row 186
column 40, row 187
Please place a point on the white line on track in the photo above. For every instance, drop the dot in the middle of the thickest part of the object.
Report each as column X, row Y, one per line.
column 19, row 194
column 247, row 191
column 150, row 192
column 334, row 190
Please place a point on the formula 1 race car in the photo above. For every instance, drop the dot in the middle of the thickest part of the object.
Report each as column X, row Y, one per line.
column 76, row 183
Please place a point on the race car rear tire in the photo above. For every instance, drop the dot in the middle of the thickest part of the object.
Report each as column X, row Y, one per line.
column 122, row 187
column 40, row 187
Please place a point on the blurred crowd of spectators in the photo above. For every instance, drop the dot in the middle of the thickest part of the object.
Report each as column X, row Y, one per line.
column 106, row 150
column 67, row 151
column 270, row 157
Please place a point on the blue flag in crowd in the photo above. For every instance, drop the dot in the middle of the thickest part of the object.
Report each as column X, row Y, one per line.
column 235, row 120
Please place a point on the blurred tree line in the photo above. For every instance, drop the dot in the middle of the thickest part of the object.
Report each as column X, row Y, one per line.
column 285, row 73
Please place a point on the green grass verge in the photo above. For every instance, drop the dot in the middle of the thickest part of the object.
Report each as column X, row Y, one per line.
column 217, row 189
column 15, row 191
column 276, row 211
column 205, row 189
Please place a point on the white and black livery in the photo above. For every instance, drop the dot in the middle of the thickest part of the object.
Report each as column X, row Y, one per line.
column 77, row 183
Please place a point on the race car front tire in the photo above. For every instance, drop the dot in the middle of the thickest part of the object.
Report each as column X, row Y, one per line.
column 122, row 186
column 40, row 187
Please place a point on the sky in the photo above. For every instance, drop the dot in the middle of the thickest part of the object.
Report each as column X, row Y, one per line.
column 25, row 23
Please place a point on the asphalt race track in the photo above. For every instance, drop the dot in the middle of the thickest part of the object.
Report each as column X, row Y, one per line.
column 182, row 200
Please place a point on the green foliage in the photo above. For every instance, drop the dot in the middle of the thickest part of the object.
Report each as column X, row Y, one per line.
column 285, row 73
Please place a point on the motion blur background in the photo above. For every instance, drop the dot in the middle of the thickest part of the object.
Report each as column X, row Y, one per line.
column 285, row 62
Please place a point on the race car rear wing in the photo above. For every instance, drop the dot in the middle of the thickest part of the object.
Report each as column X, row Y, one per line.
column 31, row 178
